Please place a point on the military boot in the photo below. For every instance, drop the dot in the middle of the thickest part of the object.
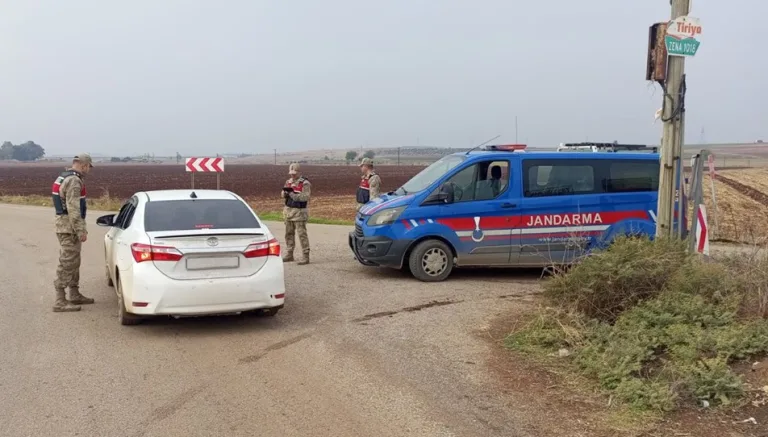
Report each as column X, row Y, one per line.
column 78, row 299
column 304, row 261
column 288, row 258
column 62, row 305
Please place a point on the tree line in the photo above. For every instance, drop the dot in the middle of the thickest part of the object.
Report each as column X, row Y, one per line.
column 29, row 151
column 352, row 155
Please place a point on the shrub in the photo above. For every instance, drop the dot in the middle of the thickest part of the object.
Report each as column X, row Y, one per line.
column 653, row 325
column 609, row 282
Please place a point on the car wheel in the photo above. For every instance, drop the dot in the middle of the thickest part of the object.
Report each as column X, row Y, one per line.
column 268, row 312
column 109, row 278
column 106, row 270
column 431, row 261
column 124, row 317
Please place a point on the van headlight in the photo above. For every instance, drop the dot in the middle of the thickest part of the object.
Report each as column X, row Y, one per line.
column 385, row 216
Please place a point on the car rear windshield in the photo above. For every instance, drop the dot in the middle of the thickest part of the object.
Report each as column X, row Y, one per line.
column 185, row 215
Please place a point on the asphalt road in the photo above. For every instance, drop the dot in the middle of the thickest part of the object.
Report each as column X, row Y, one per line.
column 356, row 352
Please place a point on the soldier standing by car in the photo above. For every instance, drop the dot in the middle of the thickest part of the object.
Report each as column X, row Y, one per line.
column 370, row 183
column 69, row 201
column 296, row 192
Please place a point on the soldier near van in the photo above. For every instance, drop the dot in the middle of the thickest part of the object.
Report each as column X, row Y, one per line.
column 69, row 202
column 370, row 183
column 296, row 193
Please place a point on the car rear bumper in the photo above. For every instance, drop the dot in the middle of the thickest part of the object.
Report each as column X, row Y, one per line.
column 166, row 296
column 378, row 251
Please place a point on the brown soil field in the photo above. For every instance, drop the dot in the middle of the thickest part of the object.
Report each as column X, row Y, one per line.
column 741, row 193
column 253, row 181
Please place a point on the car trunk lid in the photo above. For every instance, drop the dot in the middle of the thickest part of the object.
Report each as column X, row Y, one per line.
column 212, row 253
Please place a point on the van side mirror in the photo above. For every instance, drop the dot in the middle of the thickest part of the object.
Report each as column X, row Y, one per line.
column 443, row 195
column 106, row 220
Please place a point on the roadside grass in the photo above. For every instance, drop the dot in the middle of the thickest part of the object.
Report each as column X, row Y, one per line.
column 654, row 327
column 103, row 203
column 112, row 204
column 277, row 216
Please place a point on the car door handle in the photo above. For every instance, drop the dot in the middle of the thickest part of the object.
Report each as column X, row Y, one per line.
column 509, row 205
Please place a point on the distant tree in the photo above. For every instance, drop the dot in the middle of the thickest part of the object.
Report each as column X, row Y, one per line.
column 369, row 154
column 115, row 159
column 6, row 150
column 29, row 151
column 326, row 158
column 350, row 156
column 178, row 157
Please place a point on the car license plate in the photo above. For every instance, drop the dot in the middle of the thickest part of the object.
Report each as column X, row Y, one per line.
column 208, row 263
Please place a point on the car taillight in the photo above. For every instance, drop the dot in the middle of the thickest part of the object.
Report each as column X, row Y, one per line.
column 267, row 248
column 147, row 252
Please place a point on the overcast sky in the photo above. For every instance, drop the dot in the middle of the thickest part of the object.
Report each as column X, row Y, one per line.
column 202, row 77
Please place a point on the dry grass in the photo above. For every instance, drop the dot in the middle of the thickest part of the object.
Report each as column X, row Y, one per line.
column 329, row 208
column 103, row 203
column 338, row 210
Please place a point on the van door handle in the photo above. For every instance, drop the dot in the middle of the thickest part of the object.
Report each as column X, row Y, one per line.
column 509, row 205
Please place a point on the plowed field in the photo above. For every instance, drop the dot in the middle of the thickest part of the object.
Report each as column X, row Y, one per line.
column 742, row 205
column 256, row 181
column 742, row 194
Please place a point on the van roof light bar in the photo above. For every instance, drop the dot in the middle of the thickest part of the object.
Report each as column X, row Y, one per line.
column 506, row 147
column 606, row 147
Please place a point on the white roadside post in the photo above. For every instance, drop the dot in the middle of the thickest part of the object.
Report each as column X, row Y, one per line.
column 205, row 165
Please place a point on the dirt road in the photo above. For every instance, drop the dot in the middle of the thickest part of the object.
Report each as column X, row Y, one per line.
column 356, row 352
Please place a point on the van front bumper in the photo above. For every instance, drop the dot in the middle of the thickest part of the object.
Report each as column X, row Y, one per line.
column 379, row 251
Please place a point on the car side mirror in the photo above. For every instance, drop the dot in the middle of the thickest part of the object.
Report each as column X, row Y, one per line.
column 106, row 220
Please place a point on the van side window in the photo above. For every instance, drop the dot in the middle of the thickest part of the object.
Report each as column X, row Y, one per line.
column 632, row 177
column 485, row 180
column 558, row 178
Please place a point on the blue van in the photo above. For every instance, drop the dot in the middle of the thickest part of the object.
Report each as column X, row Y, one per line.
column 504, row 207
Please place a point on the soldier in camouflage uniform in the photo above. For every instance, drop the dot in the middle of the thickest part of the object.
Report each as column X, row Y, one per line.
column 370, row 183
column 69, row 201
column 296, row 193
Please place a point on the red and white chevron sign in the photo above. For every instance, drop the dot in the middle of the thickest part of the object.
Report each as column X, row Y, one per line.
column 702, row 231
column 208, row 165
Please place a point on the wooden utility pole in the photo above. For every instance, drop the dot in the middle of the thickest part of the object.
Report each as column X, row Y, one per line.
column 275, row 156
column 671, row 144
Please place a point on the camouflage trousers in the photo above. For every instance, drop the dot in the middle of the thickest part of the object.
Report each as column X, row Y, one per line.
column 68, row 272
column 291, row 229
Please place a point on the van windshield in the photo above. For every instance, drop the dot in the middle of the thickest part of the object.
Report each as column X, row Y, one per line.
column 435, row 171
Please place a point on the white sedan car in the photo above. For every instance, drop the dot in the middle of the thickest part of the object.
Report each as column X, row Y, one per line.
column 191, row 253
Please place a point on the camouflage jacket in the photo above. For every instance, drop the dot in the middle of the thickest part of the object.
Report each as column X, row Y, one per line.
column 297, row 203
column 70, row 191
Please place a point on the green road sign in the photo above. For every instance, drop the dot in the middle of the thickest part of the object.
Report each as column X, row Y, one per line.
column 680, row 39
column 681, row 47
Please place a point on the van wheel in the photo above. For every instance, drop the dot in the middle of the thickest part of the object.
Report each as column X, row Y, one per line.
column 431, row 261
